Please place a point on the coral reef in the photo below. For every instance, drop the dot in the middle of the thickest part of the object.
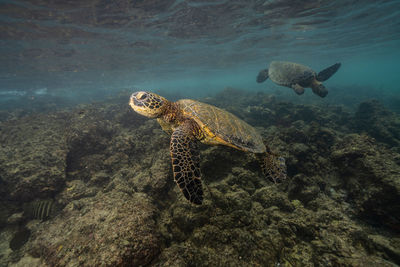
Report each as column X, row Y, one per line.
column 33, row 155
column 383, row 125
column 110, row 229
column 109, row 170
column 371, row 179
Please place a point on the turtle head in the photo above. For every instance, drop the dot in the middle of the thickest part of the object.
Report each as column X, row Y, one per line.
column 148, row 104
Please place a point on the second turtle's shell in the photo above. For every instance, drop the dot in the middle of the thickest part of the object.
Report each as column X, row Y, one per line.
column 288, row 73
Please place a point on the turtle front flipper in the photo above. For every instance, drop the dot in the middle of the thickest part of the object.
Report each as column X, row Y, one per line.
column 328, row 72
column 186, row 162
column 272, row 166
column 297, row 88
column 262, row 75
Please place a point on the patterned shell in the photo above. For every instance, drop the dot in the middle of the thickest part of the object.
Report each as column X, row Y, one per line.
column 224, row 125
column 287, row 73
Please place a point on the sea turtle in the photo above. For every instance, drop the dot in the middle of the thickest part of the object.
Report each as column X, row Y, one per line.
column 297, row 76
column 189, row 121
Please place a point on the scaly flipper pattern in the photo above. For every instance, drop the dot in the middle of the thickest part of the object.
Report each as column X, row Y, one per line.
column 298, row 89
column 186, row 162
column 272, row 166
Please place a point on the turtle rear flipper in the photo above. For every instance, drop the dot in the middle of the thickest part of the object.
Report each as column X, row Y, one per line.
column 328, row 72
column 319, row 89
column 297, row 88
column 262, row 75
column 186, row 163
column 272, row 166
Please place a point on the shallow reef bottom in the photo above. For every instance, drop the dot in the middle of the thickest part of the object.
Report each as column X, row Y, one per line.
column 108, row 169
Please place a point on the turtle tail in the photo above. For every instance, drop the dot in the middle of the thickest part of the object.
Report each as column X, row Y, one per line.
column 262, row 75
column 325, row 74
column 273, row 166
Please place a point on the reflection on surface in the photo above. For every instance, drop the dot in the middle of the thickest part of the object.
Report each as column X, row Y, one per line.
column 69, row 44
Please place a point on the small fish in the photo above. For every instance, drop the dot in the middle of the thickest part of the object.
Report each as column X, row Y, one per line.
column 41, row 209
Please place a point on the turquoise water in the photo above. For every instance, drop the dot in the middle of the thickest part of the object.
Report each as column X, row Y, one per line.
column 90, row 49
column 93, row 185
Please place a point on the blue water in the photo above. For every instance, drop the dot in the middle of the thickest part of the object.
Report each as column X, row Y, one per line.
column 86, row 50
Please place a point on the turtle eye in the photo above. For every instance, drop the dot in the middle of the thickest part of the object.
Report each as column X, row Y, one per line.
column 142, row 96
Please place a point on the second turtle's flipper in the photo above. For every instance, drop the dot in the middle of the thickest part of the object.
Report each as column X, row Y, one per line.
column 297, row 88
column 186, row 163
column 273, row 166
column 328, row 72
column 262, row 76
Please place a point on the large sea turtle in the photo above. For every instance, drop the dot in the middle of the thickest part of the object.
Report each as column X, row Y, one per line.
column 189, row 121
column 297, row 76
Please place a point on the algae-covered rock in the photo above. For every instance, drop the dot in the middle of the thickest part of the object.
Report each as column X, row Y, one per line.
column 269, row 197
column 371, row 177
column 28, row 261
column 266, row 230
column 16, row 218
column 6, row 252
column 113, row 229
column 305, row 188
column 154, row 177
column 76, row 189
column 387, row 247
column 87, row 141
column 269, row 235
column 380, row 123
column 33, row 157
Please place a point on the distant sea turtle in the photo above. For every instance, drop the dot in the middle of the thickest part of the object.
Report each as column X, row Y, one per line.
column 189, row 121
column 297, row 76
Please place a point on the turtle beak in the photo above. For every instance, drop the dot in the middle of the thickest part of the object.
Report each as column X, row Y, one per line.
column 134, row 100
column 134, row 95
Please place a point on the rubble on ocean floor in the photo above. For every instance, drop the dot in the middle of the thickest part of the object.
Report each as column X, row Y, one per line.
column 110, row 170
